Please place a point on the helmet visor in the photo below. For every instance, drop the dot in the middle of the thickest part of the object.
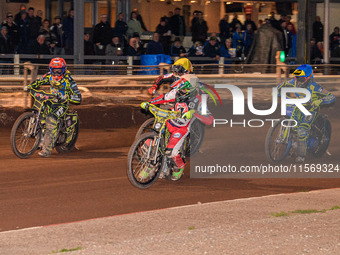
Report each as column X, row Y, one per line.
column 57, row 71
column 178, row 69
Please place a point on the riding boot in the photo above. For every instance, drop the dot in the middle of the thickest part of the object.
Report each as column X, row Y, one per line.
column 49, row 139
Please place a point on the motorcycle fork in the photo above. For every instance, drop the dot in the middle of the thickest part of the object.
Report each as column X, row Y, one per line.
column 153, row 150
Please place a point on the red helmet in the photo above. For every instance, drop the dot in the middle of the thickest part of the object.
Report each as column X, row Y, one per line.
column 57, row 68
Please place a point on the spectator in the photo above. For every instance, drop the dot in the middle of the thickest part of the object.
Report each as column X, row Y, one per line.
column 212, row 49
column 155, row 46
column 234, row 23
column 39, row 46
column 170, row 14
column 13, row 32
column 291, row 35
column 282, row 19
column 121, row 28
column 315, row 53
column 320, row 47
column 225, row 51
column 50, row 38
column 23, row 34
column 196, row 50
column 140, row 19
column 288, row 20
column 33, row 25
column 132, row 49
column 318, row 30
column 177, row 24
column 165, row 35
column 88, row 46
column 274, row 22
column 177, row 50
column 249, row 21
column 134, row 25
column 286, row 39
column 89, row 49
column 57, row 31
column 68, row 27
column 114, row 49
column 4, row 41
column 140, row 44
column 238, row 41
column 194, row 19
column 199, row 29
column 39, row 17
column 224, row 28
column 17, row 17
column 248, row 37
column 102, row 34
column 260, row 23
column 334, row 40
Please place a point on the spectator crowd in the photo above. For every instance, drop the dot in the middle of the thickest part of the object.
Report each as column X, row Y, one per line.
column 28, row 33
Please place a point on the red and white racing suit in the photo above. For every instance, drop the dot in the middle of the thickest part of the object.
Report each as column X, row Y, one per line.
column 179, row 128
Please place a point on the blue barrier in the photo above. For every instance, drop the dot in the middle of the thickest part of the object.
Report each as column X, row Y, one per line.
column 153, row 60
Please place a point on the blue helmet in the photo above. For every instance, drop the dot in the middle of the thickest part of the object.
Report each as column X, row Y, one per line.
column 303, row 74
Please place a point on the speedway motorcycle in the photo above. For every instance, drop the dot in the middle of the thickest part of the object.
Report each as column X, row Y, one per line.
column 28, row 130
column 148, row 150
column 281, row 140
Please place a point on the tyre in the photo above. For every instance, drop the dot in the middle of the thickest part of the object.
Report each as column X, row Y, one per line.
column 323, row 136
column 278, row 142
column 138, row 161
column 23, row 142
column 145, row 127
column 67, row 147
column 195, row 138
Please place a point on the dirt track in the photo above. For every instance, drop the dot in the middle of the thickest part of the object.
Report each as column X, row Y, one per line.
column 92, row 182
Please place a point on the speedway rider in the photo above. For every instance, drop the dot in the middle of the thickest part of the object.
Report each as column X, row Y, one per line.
column 65, row 90
column 185, row 95
column 303, row 78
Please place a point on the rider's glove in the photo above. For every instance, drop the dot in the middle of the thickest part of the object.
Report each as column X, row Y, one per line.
column 188, row 115
column 27, row 88
column 316, row 103
column 152, row 90
column 144, row 105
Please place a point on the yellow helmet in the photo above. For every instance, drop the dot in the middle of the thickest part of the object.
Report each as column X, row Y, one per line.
column 182, row 66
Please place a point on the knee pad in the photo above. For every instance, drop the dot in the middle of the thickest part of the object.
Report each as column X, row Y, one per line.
column 51, row 122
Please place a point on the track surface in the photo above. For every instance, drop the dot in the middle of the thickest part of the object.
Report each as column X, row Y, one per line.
column 92, row 182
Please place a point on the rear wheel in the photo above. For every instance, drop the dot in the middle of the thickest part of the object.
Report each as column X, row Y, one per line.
column 67, row 146
column 195, row 138
column 23, row 141
column 141, row 170
column 321, row 131
column 278, row 142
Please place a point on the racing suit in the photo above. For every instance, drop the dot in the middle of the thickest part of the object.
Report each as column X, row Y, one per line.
column 319, row 96
column 179, row 128
column 56, row 108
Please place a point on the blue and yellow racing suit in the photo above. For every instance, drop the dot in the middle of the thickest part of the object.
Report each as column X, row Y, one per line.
column 319, row 96
column 66, row 91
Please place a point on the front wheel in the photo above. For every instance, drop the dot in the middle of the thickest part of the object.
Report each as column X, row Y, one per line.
column 142, row 169
column 24, row 141
column 278, row 142
column 145, row 127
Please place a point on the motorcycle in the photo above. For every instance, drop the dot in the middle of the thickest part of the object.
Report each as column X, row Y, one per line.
column 28, row 130
column 148, row 150
column 281, row 140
